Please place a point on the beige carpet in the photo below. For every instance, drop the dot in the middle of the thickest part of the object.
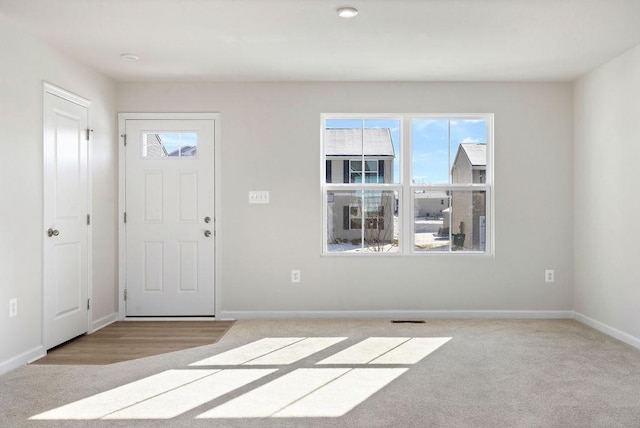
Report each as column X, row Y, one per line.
column 348, row 373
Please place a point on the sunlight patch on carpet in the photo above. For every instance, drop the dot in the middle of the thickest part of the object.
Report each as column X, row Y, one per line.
column 284, row 390
column 190, row 396
column 340, row 396
column 268, row 399
column 100, row 405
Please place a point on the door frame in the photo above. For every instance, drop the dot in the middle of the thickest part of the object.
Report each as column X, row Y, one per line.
column 217, row 197
column 51, row 89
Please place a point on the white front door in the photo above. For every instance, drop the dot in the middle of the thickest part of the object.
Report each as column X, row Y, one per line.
column 65, row 219
column 169, row 204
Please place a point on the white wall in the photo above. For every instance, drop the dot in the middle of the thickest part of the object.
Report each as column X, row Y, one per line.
column 607, row 199
column 24, row 64
column 270, row 141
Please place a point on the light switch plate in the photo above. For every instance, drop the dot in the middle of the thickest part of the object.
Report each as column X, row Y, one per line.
column 13, row 307
column 258, row 196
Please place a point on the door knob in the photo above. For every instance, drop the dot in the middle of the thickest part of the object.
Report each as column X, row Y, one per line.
column 52, row 232
column 207, row 219
column 207, row 233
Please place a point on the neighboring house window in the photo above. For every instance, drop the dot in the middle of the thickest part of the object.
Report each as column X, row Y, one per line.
column 439, row 193
column 372, row 172
column 373, row 216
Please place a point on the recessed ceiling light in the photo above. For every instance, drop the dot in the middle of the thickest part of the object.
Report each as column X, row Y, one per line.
column 347, row 12
column 129, row 57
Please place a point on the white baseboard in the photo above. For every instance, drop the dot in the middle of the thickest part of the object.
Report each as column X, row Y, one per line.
column 22, row 359
column 395, row 314
column 135, row 319
column 103, row 322
column 608, row 330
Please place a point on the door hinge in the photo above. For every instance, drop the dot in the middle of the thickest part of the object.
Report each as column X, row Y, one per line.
column 125, row 217
column 124, row 137
column 88, row 303
column 125, row 294
column 88, row 219
column 89, row 131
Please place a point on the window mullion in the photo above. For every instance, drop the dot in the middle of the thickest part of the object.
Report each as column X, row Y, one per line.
column 362, row 181
column 406, row 164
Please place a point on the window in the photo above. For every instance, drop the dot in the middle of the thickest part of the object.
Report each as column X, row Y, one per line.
column 409, row 184
column 169, row 144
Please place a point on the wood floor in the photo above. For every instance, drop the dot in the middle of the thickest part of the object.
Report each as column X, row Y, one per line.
column 128, row 340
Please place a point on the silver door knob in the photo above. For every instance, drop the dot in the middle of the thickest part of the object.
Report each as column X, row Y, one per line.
column 207, row 219
column 52, row 232
column 207, row 233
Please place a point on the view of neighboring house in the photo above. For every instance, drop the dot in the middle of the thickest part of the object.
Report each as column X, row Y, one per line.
column 352, row 157
column 468, row 208
column 155, row 147
column 431, row 204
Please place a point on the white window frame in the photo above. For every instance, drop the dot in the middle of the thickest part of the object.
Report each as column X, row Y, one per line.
column 406, row 189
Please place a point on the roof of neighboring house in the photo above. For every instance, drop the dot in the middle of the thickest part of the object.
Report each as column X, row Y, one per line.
column 476, row 153
column 348, row 142
column 185, row 151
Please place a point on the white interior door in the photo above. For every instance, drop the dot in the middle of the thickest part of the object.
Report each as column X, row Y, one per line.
column 65, row 220
column 169, row 204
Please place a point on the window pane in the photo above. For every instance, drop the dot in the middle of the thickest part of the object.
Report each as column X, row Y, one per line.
column 371, row 166
column 458, row 227
column 382, row 148
column 372, row 177
column 430, row 151
column 468, row 151
column 431, row 220
column 362, row 221
column 449, row 151
column 468, row 220
column 349, row 142
column 166, row 144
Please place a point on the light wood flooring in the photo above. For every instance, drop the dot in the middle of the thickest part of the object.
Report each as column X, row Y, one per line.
column 128, row 340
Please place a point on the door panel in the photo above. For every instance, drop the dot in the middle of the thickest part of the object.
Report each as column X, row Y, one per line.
column 65, row 213
column 169, row 192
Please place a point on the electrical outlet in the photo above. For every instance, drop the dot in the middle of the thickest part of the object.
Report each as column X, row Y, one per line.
column 295, row 275
column 13, row 307
column 549, row 275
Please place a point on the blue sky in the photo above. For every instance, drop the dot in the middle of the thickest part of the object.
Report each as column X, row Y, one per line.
column 434, row 150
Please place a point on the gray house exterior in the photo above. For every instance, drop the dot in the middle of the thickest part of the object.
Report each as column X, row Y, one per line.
column 351, row 157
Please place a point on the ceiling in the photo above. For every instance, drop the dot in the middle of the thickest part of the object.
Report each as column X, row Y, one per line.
column 305, row 40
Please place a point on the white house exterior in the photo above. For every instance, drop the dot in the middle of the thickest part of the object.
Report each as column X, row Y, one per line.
column 351, row 157
column 431, row 204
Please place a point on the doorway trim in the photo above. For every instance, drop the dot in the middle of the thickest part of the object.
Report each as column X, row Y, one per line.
column 51, row 89
column 122, row 261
